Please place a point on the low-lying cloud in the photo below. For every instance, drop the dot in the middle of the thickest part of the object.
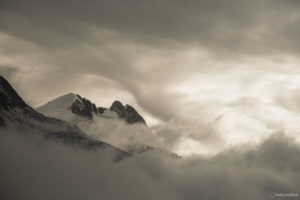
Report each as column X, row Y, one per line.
column 54, row 171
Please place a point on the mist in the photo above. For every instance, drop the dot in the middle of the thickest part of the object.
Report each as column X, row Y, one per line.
column 31, row 169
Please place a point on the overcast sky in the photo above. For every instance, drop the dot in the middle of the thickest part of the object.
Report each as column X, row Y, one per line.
column 188, row 61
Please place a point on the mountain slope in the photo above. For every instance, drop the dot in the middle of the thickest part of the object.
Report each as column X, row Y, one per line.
column 16, row 115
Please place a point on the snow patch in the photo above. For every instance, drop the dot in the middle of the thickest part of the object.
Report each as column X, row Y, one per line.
column 109, row 114
column 60, row 107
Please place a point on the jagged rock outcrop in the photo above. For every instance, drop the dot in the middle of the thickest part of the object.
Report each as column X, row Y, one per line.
column 127, row 112
column 101, row 110
column 84, row 107
column 132, row 116
column 118, row 107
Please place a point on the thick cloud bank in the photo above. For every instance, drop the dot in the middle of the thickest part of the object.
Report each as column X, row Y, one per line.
column 31, row 170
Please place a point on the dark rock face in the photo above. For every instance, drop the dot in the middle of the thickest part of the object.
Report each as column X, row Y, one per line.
column 9, row 99
column 84, row 107
column 101, row 110
column 128, row 113
column 132, row 116
column 118, row 107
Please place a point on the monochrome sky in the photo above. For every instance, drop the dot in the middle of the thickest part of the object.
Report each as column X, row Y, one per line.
column 196, row 65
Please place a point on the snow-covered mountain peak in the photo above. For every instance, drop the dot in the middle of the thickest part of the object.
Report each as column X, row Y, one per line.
column 64, row 101
column 17, row 117
column 72, row 107
column 60, row 107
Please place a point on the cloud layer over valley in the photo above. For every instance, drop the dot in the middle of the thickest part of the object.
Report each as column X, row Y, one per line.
column 51, row 170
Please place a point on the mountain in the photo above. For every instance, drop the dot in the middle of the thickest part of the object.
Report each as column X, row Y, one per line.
column 16, row 115
column 72, row 107
column 106, row 124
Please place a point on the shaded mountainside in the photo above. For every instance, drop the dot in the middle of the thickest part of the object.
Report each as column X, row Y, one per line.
column 9, row 99
column 16, row 114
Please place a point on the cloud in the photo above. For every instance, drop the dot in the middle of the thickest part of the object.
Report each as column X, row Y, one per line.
column 231, row 26
column 60, row 172
column 119, row 134
column 8, row 71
